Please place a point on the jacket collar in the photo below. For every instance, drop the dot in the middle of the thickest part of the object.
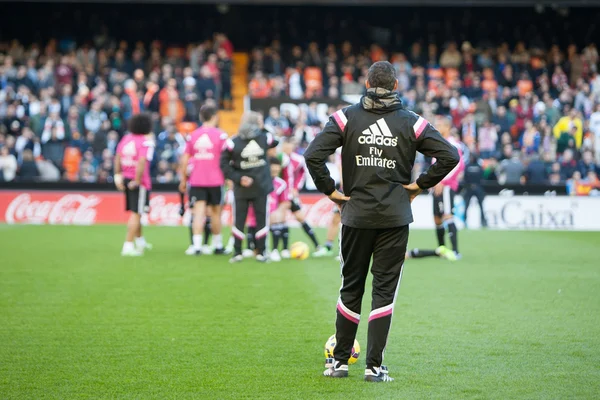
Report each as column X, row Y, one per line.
column 381, row 100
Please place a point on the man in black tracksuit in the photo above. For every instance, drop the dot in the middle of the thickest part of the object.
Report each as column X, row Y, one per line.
column 379, row 139
column 244, row 160
column 472, row 183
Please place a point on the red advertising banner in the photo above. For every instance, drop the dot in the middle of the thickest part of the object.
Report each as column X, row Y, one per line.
column 88, row 208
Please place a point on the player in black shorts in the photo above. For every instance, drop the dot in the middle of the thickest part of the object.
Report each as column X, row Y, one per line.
column 443, row 194
column 200, row 163
column 132, row 164
column 213, row 197
column 443, row 201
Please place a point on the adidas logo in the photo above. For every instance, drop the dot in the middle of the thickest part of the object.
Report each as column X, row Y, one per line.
column 203, row 147
column 379, row 133
column 129, row 149
column 252, row 150
column 203, row 143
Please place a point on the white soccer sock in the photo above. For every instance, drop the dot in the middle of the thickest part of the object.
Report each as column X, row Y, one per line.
column 128, row 246
column 140, row 242
column 197, row 241
column 217, row 241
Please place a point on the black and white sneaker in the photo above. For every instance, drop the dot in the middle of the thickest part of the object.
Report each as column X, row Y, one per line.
column 236, row 259
column 375, row 374
column 219, row 251
column 335, row 369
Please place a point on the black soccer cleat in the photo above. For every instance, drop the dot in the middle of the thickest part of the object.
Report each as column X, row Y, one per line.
column 375, row 374
column 335, row 369
column 219, row 251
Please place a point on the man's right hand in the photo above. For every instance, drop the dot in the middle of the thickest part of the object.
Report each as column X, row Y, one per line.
column 246, row 181
column 182, row 187
column 438, row 189
column 413, row 190
column 338, row 197
column 118, row 178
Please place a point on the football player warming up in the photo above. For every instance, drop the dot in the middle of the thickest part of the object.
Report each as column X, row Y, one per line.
column 202, row 154
column 132, row 176
column 294, row 174
column 443, row 197
column 279, row 203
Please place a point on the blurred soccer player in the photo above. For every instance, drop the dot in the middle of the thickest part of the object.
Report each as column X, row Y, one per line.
column 132, row 176
column 333, row 229
column 444, row 192
column 244, row 161
column 279, row 203
column 472, row 183
column 442, row 252
column 250, row 250
column 294, row 175
column 250, row 225
column 336, row 219
column 202, row 155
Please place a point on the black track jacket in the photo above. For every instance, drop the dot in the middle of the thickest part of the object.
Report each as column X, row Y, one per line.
column 247, row 156
column 379, row 140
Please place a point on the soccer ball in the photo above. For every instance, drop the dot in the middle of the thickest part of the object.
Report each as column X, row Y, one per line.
column 330, row 345
column 299, row 251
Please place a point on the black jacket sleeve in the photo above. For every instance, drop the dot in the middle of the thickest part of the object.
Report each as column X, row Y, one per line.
column 226, row 163
column 432, row 144
column 317, row 153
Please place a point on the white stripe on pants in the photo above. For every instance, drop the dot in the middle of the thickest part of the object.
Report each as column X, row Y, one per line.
column 141, row 200
column 446, row 200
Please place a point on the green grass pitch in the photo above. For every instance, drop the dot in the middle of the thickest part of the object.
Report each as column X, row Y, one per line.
column 517, row 318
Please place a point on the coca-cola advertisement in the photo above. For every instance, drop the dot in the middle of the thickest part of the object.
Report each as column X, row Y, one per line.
column 88, row 208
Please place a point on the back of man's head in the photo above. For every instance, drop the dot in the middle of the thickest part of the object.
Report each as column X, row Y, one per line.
column 140, row 124
column 251, row 124
column 207, row 111
column 382, row 75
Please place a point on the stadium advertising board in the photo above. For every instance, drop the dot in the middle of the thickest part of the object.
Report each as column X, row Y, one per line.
column 88, row 208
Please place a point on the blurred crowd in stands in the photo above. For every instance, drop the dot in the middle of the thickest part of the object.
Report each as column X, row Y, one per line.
column 64, row 107
column 531, row 115
column 523, row 95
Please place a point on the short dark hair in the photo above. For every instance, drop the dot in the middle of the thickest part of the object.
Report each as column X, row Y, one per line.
column 140, row 124
column 274, row 161
column 383, row 75
column 207, row 111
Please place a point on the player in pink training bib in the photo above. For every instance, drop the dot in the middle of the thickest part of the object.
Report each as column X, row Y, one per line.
column 443, row 196
column 132, row 176
column 279, row 203
column 294, row 174
column 200, row 163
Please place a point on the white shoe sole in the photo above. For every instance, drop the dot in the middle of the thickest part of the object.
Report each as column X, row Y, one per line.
column 131, row 254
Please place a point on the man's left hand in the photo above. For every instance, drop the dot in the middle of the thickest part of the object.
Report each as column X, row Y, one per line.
column 132, row 185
